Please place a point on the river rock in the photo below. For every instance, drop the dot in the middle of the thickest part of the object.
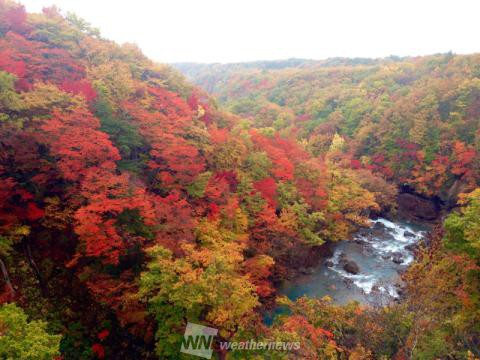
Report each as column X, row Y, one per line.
column 399, row 288
column 380, row 231
column 377, row 232
column 360, row 241
column 306, row 270
column 351, row 267
column 407, row 233
column 397, row 258
column 348, row 282
column 411, row 247
column 328, row 263
column 363, row 232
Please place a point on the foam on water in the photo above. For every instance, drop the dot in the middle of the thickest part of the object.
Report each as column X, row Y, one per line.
column 382, row 249
column 373, row 250
column 362, row 281
column 385, row 222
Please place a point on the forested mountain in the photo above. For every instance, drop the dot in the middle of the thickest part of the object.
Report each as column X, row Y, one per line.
column 131, row 203
column 413, row 120
column 201, row 71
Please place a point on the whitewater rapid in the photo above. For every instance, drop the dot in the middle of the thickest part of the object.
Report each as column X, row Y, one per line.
column 381, row 253
column 378, row 271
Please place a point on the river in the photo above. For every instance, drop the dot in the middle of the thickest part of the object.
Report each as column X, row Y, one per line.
column 380, row 252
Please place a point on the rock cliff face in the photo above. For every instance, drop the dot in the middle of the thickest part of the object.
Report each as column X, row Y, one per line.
column 409, row 206
column 416, row 207
column 451, row 196
column 300, row 261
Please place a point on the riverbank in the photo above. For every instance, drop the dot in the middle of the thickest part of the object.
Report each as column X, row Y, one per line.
column 366, row 269
column 368, row 266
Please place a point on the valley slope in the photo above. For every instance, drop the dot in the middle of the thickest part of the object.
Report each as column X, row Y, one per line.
column 132, row 204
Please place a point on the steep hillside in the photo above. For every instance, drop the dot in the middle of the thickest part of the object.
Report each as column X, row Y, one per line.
column 131, row 204
column 415, row 121
column 110, row 162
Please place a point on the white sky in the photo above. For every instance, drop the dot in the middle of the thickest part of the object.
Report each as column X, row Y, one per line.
column 246, row 30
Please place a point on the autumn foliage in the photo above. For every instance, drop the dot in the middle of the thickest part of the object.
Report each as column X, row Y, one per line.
column 131, row 204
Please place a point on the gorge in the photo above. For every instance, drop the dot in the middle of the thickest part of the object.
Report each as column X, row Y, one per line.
column 366, row 269
column 137, row 205
column 380, row 254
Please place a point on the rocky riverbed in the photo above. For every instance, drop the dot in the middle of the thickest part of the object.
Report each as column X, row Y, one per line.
column 366, row 268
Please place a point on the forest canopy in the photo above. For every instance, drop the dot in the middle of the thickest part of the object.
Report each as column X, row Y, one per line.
column 132, row 203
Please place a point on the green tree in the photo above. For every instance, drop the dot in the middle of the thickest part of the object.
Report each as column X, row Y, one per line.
column 205, row 285
column 9, row 99
column 463, row 228
column 25, row 340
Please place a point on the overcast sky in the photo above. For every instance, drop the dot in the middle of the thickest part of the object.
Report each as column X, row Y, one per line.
column 245, row 30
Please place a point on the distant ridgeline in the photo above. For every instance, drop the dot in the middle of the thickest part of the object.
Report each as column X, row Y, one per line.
column 413, row 120
column 131, row 204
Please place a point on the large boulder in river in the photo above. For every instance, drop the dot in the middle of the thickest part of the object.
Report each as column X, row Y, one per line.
column 407, row 233
column 397, row 258
column 379, row 225
column 377, row 232
column 351, row 267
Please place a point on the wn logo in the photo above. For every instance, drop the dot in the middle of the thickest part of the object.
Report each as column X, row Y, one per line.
column 198, row 340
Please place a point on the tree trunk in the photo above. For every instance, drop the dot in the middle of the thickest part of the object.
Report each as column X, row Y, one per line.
column 6, row 278
column 28, row 253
